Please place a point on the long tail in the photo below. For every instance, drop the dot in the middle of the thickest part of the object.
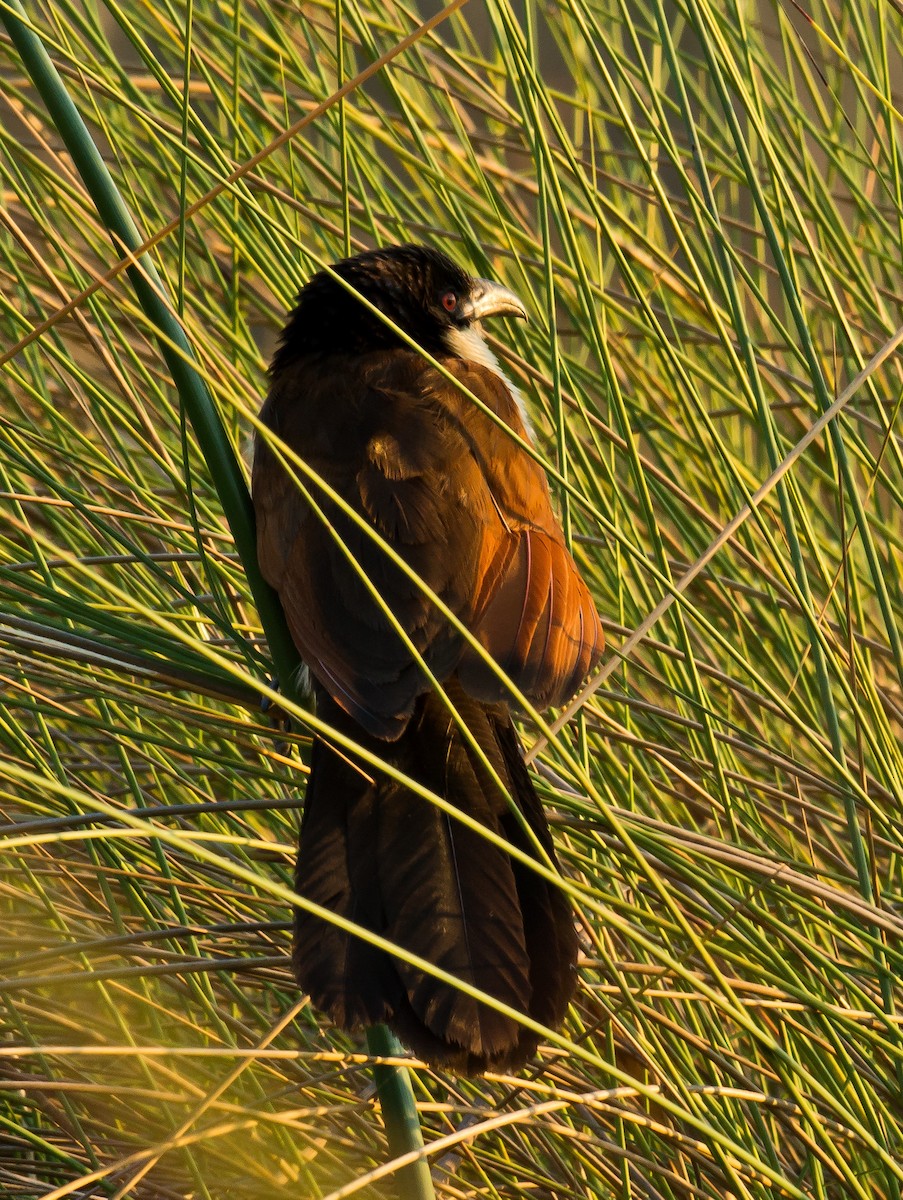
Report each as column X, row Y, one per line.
column 386, row 858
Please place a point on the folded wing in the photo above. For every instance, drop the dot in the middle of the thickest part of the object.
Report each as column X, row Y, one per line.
column 459, row 502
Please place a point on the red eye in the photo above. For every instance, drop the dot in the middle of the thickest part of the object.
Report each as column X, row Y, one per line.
column 449, row 301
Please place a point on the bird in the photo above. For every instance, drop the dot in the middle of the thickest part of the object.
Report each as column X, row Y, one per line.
column 410, row 482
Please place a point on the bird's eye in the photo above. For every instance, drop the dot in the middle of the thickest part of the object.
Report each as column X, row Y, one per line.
column 449, row 301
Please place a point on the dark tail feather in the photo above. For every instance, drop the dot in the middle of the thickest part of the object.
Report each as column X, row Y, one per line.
column 382, row 856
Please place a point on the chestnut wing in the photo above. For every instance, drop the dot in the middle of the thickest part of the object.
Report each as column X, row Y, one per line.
column 537, row 620
column 456, row 499
column 383, row 435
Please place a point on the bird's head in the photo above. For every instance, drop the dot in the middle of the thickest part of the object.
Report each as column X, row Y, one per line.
column 419, row 289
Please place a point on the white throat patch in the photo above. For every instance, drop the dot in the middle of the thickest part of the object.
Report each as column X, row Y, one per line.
column 468, row 344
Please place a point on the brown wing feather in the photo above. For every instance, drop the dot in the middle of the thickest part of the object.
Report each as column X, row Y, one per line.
column 540, row 625
column 538, row 620
column 384, row 433
column 456, row 498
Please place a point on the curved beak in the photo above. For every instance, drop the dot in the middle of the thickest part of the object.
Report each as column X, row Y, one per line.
column 490, row 299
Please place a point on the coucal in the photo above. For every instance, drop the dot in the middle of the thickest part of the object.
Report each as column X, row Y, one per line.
column 468, row 510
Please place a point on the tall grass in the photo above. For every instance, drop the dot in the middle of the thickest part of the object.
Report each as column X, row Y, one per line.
column 703, row 208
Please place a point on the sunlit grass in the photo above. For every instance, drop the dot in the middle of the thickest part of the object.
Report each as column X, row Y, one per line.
column 702, row 208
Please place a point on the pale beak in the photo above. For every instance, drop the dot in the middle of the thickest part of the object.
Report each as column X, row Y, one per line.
column 489, row 299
